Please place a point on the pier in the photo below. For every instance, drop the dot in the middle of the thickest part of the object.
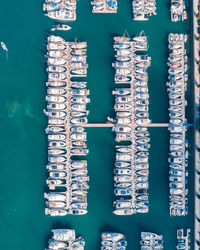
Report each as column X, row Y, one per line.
column 110, row 125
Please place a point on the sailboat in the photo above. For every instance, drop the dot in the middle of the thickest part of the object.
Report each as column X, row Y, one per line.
column 4, row 46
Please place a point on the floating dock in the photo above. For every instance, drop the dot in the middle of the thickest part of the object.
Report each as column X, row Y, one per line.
column 132, row 116
column 178, row 158
column 66, row 111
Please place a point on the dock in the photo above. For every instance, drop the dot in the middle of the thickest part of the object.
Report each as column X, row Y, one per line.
column 111, row 125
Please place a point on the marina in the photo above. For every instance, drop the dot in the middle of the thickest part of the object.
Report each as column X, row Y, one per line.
column 104, row 6
column 23, row 97
column 143, row 9
column 66, row 112
column 61, row 10
column 178, row 159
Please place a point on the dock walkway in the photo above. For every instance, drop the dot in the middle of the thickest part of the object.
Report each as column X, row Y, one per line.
column 110, row 125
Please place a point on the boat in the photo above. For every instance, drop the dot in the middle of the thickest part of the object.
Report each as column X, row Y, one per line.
column 56, row 106
column 55, row 212
column 63, row 27
column 78, row 85
column 56, row 151
column 56, row 83
column 56, row 99
column 122, row 178
column 121, row 204
column 53, row 196
column 78, row 107
column 128, row 211
column 56, row 122
column 4, row 46
column 54, row 129
column 57, row 137
column 56, row 204
column 54, row 167
column 78, row 211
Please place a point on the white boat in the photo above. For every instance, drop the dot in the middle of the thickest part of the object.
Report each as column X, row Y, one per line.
column 56, row 122
column 78, row 211
column 56, row 151
column 80, row 99
column 123, row 72
column 54, row 129
column 123, row 99
column 4, row 46
column 56, row 204
column 78, row 113
column 56, row 61
column 56, row 106
column 123, row 121
column 123, row 114
column 56, row 91
column 78, row 172
column 78, row 136
column 56, row 46
column 122, row 171
column 55, row 69
column 123, row 149
column 121, row 129
column 57, row 137
column 56, row 76
column 119, row 64
column 79, row 120
column 79, row 164
column 56, row 212
column 79, row 144
column 122, row 178
column 122, row 107
column 123, row 157
column 121, row 91
column 57, row 144
column 56, row 114
column 77, row 129
column 56, row 83
column 80, row 71
column 53, row 196
column 58, row 99
column 78, row 85
column 78, row 107
column 57, row 159
column 80, row 92
column 79, row 45
column 63, row 27
column 128, row 211
column 79, row 151
column 123, row 52
column 55, row 167
column 122, row 164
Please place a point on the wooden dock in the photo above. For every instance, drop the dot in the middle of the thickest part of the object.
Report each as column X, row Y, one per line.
column 110, row 125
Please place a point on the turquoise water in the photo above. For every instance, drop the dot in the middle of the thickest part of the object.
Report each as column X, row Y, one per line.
column 23, row 225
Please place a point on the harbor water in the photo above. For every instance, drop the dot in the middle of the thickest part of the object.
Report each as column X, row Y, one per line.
column 23, row 145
